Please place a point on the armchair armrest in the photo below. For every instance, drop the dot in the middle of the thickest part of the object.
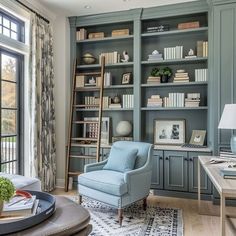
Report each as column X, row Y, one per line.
column 94, row 166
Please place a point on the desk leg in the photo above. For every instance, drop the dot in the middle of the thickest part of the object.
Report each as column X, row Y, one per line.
column 199, row 186
column 222, row 214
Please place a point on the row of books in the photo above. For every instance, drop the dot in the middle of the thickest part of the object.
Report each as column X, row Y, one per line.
column 85, row 81
column 128, row 102
column 202, row 48
column 173, row 52
column 19, row 207
column 110, row 57
column 201, row 75
column 174, row 100
column 81, row 34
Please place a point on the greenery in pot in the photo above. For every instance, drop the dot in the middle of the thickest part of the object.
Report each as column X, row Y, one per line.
column 7, row 191
column 156, row 72
column 167, row 71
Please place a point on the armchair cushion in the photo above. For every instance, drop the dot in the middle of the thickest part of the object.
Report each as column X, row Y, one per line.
column 121, row 160
column 106, row 181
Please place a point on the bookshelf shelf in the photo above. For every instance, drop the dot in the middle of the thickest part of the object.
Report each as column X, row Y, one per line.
column 105, row 109
column 106, row 39
column 174, row 84
column 124, row 64
column 173, row 108
column 171, row 32
column 175, row 61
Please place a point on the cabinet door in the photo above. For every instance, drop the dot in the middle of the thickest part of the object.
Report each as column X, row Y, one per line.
column 105, row 153
column 176, row 170
column 206, row 186
column 157, row 170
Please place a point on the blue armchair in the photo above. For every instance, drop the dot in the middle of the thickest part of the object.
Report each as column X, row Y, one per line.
column 122, row 179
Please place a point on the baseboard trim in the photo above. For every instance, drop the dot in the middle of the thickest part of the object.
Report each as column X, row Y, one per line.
column 60, row 183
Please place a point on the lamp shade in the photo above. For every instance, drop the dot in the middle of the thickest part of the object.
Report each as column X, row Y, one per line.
column 228, row 117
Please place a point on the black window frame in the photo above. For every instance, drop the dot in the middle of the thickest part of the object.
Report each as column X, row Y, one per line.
column 19, row 106
column 20, row 25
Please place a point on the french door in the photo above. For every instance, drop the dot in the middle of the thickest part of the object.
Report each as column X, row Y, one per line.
column 11, row 109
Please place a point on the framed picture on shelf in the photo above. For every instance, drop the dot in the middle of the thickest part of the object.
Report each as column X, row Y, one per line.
column 126, row 78
column 168, row 131
column 198, row 137
column 91, row 130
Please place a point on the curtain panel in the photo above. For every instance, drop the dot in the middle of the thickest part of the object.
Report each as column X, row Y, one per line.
column 41, row 104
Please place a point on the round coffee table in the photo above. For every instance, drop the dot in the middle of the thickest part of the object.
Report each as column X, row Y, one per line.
column 69, row 219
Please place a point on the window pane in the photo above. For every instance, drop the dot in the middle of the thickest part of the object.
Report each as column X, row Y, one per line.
column 8, row 148
column 0, row 29
column 0, row 20
column 8, row 68
column 8, row 95
column 6, row 32
column 8, row 122
column 13, row 35
column 6, row 22
column 13, row 27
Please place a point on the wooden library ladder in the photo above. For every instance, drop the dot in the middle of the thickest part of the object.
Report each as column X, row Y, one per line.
column 76, row 141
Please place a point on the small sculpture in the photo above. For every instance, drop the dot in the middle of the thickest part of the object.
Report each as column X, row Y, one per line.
column 190, row 52
column 126, row 56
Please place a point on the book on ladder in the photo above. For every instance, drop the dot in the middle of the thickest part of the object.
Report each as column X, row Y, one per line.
column 76, row 120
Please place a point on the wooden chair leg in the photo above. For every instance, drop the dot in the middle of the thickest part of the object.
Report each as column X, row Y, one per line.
column 145, row 204
column 120, row 216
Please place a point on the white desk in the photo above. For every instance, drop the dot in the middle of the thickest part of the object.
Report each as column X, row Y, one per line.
column 225, row 187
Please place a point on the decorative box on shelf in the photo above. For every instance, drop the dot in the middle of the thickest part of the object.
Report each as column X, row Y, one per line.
column 96, row 35
column 120, row 32
column 189, row 25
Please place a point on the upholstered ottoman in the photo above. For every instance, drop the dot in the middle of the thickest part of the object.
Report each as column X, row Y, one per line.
column 22, row 182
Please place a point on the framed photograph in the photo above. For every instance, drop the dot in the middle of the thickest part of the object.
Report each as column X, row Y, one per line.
column 127, row 78
column 170, row 132
column 91, row 130
column 198, row 137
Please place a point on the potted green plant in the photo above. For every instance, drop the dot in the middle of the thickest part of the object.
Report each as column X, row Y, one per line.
column 7, row 191
column 155, row 76
column 166, row 73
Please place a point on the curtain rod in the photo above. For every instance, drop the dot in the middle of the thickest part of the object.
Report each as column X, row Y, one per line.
column 40, row 16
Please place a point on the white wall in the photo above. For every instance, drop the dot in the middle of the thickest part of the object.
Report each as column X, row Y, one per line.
column 62, row 84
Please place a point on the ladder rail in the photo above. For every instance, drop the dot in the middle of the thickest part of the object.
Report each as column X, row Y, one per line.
column 71, row 114
column 100, row 109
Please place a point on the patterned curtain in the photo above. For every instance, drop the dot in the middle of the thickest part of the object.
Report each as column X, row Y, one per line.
column 42, row 108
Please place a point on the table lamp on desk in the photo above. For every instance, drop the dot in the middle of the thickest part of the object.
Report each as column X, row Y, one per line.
column 228, row 121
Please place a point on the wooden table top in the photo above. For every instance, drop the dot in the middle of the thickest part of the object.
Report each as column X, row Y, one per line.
column 225, row 186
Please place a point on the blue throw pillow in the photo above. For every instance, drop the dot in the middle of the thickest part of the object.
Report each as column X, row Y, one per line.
column 121, row 160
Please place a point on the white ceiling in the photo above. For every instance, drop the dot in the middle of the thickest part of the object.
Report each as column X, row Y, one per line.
column 77, row 7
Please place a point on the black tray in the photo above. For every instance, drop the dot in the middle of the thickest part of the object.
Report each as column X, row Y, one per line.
column 47, row 205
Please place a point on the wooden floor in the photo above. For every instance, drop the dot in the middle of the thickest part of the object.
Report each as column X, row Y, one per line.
column 194, row 224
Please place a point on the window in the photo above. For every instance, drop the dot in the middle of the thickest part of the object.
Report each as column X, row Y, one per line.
column 11, row 26
column 10, row 112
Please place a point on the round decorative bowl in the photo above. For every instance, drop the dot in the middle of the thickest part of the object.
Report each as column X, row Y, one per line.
column 124, row 128
column 88, row 58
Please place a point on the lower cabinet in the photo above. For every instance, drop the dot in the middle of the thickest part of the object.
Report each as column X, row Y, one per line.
column 157, row 170
column 178, row 171
column 175, row 171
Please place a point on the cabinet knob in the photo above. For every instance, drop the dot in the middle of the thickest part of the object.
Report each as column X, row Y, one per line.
column 191, row 159
column 186, row 159
column 160, row 158
column 167, row 158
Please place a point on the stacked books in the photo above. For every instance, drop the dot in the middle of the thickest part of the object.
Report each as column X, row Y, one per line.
column 228, row 173
column 226, row 153
column 153, row 80
column 154, row 101
column 91, row 100
column 181, row 76
column 173, row 53
column 110, row 57
column 189, row 25
column 160, row 28
column 115, row 105
column 201, row 75
column 155, row 56
column 20, row 206
column 192, row 100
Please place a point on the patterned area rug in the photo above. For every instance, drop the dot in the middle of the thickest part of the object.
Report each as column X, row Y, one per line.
column 137, row 222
